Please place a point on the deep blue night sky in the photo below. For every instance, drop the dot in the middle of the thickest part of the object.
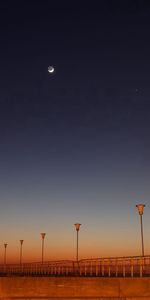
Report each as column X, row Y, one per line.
column 74, row 145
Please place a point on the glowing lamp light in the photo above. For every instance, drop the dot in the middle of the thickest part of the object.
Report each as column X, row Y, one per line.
column 140, row 208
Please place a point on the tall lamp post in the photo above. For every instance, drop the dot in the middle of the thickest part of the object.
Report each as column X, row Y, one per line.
column 5, row 247
column 43, row 237
column 140, row 208
column 77, row 227
column 21, row 244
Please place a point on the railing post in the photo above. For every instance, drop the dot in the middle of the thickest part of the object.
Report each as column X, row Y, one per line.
column 58, row 269
column 116, row 267
column 102, row 267
column 141, row 267
column 85, row 269
column 109, row 262
column 131, row 264
column 91, row 268
column 62, row 270
column 124, row 269
column 96, row 266
column 99, row 267
column 66, row 269
column 80, row 269
column 51, row 270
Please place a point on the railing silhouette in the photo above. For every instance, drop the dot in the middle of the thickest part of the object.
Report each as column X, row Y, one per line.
column 102, row 267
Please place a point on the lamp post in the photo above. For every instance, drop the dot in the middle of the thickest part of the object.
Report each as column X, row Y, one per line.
column 77, row 226
column 21, row 244
column 140, row 208
column 5, row 246
column 43, row 237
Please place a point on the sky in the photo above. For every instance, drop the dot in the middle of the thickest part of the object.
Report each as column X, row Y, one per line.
column 74, row 145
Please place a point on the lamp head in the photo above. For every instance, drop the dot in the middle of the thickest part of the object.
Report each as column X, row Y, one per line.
column 77, row 226
column 43, row 235
column 140, row 208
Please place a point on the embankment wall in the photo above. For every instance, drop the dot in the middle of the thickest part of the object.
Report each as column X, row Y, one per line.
column 75, row 287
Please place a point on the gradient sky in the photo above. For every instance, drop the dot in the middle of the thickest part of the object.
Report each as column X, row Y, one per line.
column 74, row 145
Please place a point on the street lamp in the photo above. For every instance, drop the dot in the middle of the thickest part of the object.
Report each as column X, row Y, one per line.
column 21, row 243
column 43, row 237
column 5, row 246
column 140, row 208
column 77, row 226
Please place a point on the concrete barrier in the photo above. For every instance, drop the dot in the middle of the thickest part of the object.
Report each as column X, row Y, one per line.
column 75, row 287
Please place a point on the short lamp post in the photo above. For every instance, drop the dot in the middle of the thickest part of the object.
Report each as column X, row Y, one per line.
column 140, row 208
column 21, row 244
column 43, row 237
column 77, row 227
column 5, row 247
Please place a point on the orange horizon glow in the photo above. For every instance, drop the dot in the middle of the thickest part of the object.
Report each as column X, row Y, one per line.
column 110, row 235
column 32, row 252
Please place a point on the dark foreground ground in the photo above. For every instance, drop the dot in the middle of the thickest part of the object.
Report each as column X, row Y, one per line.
column 74, row 288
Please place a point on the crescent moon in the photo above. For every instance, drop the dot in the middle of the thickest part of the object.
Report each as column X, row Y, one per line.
column 51, row 69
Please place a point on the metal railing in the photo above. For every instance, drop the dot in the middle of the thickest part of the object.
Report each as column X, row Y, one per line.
column 135, row 266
